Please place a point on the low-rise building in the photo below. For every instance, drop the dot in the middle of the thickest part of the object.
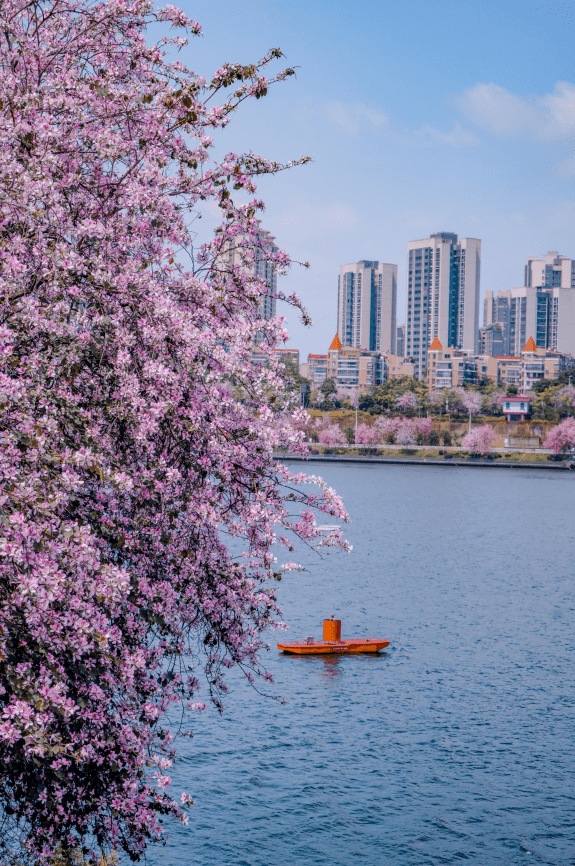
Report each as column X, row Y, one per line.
column 524, row 370
column 517, row 408
column 453, row 368
column 398, row 366
column 316, row 369
column 352, row 368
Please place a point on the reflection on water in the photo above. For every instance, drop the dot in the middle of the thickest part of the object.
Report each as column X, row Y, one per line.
column 453, row 745
column 330, row 667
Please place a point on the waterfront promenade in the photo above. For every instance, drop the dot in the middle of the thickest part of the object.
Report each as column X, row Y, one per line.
column 428, row 456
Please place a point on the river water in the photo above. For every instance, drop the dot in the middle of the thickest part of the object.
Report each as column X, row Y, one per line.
column 457, row 743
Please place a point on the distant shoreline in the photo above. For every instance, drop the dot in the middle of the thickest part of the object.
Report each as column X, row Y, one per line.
column 422, row 461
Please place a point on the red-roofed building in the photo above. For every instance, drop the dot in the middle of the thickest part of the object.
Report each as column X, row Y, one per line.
column 316, row 369
column 517, row 408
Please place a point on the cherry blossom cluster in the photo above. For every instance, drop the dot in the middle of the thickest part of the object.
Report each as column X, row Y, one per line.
column 561, row 437
column 480, row 440
column 140, row 503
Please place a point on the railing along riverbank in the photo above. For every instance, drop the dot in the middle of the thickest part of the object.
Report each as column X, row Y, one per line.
column 444, row 456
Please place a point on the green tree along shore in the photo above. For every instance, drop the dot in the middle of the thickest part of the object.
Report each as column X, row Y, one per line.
column 554, row 399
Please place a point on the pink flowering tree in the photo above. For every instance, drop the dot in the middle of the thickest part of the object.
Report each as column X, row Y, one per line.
column 480, row 440
column 423, row 427
column 495, row 401
column 136, row 434
column 407, row 402
column 407, row 432
column 561, row 438
column 367, row 434
column 469, row 401
column 331, row 435
column 436, row 400
column 564, row 398
column 387, row 428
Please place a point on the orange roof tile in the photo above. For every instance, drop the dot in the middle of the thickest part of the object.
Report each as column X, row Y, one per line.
column 335, row 344
column 529, row 345
column 436, row 346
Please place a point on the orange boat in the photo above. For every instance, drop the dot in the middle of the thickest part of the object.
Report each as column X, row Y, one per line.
column 332, row 642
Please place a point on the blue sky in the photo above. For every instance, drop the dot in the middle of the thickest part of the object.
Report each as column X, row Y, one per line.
column 420, row 117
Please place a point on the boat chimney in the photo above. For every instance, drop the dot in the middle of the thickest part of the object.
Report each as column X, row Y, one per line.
column 332, row 629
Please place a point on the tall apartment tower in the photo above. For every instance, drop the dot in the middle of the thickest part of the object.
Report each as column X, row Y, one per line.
column 544, row 308
column 366, row 309
column 550, row 271
column 442, row 294
column 262, row 267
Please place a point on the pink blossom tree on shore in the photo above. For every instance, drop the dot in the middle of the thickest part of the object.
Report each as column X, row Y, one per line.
column 436, row 400
column 332, row 436
column 423, row 427
column 137, row 436
column 480, row 440
column 366, row 434
column 561, row 437
column 470, row 401
column 407, row 432
column 564, row 398
column 387, row 428
column 407, row 401
column 496, row 400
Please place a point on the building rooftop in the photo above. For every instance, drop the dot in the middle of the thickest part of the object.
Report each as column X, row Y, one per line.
column 318, row 356
column 530, row 345
column 436, row 346
column 335, row 344
column 519, row 398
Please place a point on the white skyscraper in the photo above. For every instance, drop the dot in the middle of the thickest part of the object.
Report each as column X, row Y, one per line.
column 442, row 294
column 544, row 308
column 262, row 267
column 550, row 271
column 366, row 310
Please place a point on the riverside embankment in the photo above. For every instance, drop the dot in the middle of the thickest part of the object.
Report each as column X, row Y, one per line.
column 427, row 456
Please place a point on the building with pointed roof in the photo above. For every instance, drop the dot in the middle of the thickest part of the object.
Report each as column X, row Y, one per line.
column 335, row 345
column 452, row 367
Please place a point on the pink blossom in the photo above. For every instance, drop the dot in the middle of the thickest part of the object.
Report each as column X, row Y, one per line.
column 407, row 432
column 367, row 435
column 331, row 435
column 470, row 401
column 561, row 437
column 388, row 427
column 480, row 440
column 407, row 401
column 136, row 435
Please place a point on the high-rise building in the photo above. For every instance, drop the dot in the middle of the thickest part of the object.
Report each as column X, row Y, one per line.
column 550, row 271
column 493, row 340
column 442, row 294
column 366, row 309
column 261, row 267
column 544, row 308
column 400, row 341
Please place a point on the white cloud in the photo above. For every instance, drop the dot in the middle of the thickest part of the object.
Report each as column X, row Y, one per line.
column 550, row 117
column 457, row 137
column 354, row 117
